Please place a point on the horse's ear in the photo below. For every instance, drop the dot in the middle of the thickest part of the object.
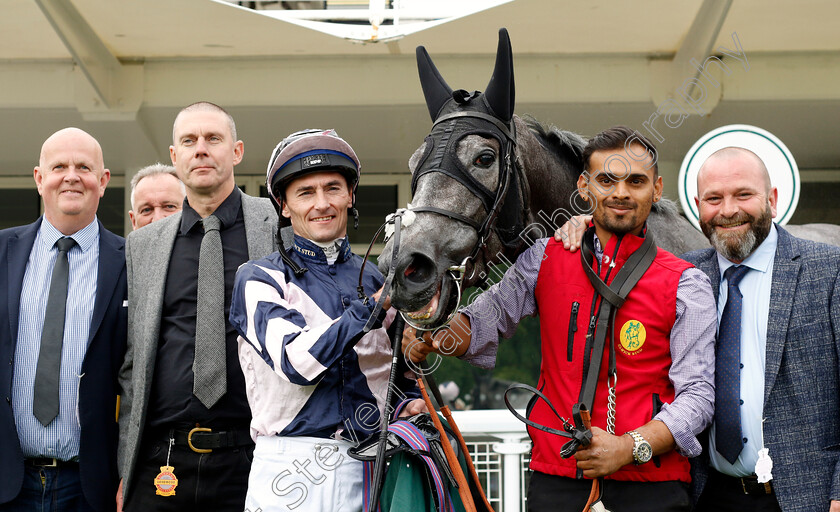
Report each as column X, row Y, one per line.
column 435, row 89
column 500, row 93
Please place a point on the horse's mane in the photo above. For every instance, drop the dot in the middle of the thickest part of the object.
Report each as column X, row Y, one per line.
column 565, row 144
column 667, row 207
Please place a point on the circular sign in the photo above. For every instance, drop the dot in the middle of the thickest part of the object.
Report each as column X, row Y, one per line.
column 784, row 174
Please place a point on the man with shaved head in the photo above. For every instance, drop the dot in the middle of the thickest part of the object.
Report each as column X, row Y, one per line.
column 185, row 407
column 63, row 332
column 775, row 440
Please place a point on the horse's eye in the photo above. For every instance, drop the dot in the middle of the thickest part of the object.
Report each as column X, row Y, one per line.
column 485, row 160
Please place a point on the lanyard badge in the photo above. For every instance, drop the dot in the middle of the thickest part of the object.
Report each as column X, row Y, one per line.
column 764, row 464
column 166, row 481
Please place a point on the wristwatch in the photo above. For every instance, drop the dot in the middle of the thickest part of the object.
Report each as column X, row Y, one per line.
column 642, row 452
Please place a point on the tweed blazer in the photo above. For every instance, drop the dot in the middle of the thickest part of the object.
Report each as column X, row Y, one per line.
column 802, row 373
column 148, row 251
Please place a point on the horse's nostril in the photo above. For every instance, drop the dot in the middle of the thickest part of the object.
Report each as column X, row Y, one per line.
column 419, row 269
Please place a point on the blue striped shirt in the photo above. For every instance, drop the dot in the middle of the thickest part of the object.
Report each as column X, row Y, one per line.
column 59, row 439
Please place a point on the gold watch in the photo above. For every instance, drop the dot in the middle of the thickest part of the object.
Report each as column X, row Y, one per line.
column 642, row 451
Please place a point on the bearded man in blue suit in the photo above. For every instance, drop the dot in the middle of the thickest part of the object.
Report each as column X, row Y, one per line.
column 783, row 384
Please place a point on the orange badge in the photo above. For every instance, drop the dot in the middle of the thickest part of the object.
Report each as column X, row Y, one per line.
column 166, row 482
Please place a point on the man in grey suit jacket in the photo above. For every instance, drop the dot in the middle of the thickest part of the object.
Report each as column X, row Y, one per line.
column 789, row 399
column 184, row 438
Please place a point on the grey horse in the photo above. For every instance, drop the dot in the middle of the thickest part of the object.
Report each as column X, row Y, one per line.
column 484, row 189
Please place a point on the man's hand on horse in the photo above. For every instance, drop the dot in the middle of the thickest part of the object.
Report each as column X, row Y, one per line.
column 385, row 305
column 416, row 406
column 605, row 455
column 416, row 346
column 571, row 233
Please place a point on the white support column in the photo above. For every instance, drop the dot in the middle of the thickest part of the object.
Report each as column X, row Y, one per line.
column 511, row 449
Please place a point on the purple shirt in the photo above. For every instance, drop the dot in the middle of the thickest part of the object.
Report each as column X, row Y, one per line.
column 497, row 312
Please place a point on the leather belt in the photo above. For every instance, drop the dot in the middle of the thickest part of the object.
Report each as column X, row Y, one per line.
column 747, row 484
column 205, row 440
column 44, row 462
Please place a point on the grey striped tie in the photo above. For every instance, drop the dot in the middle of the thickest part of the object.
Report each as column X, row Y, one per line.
column 48, row 371
column 209, row 372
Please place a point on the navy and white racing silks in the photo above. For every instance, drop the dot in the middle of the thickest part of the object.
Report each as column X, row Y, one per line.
column 308, row 369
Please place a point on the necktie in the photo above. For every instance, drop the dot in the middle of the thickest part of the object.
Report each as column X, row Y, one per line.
column 209, row 372
column 45, row 405
column 728, row 370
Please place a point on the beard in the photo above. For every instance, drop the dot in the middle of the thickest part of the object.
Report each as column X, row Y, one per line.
column 738, row 246
column 615, row 224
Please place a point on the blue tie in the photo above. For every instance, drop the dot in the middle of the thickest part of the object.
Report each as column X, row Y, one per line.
column 728, row 370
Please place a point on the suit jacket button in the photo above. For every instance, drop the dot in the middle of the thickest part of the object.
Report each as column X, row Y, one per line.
column 8, row 400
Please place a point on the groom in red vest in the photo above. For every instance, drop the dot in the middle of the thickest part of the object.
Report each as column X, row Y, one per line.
column 658, row 345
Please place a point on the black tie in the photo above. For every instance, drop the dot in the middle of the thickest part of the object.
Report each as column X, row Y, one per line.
column 45, row 405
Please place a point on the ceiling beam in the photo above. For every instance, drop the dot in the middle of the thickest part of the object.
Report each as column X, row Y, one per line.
column 385, row 81
column 678, row 81
column 113, row 87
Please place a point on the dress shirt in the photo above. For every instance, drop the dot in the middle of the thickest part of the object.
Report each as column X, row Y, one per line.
column 692, row 346
column 755, row 311
column 59, row 439
column 172, row 403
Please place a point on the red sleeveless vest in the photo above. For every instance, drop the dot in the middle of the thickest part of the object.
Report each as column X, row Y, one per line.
column 643, row 325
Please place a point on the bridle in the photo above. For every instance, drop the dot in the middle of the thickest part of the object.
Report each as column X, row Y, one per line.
column 492, row 201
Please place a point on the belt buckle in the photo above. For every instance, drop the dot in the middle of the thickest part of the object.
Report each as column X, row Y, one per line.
column 189, row 440
column 766, row 486
column 36, row 462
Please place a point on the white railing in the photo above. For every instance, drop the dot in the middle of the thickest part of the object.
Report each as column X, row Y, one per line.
column 500, row 450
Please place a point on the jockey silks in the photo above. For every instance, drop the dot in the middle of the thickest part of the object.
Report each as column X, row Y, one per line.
column 568, row 305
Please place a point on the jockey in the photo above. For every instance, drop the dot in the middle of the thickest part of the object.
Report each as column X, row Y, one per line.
column 315, row 381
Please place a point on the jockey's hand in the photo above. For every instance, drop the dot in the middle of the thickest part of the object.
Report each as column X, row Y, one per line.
column 605, row 455
column 571, row 233
column 416, row 346
column 413, row 407
column 835, row 506
column 385, row 305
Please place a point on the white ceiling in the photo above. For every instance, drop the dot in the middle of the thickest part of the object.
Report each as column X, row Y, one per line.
column 579, row 65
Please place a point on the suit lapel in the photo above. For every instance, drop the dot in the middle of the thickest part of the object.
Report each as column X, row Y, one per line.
column 707, row 263
column 17, row 255
column 152, row 268
column 257, row 221
column 111, row 266
column 714, row 274
column 785, row 280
